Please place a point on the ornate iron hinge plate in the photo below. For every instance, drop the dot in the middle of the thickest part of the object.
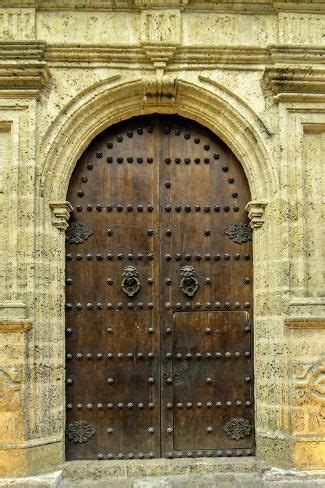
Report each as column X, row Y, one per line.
column 238, row 428
column 239, row 232
column 80, row 431
column 77, row 232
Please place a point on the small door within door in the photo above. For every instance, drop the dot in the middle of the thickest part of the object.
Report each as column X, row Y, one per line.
column 158, row 296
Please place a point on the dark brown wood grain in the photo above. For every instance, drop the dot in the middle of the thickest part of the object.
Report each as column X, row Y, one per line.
column 158, row 193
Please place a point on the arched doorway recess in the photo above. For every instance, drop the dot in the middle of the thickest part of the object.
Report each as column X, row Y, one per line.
column 159, row 296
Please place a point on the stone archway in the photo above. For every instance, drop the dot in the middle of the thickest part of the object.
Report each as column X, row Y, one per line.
column 110, row 102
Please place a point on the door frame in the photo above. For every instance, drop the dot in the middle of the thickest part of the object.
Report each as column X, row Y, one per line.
column 238, row 127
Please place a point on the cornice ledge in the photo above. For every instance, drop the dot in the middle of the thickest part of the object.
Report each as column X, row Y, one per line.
column 286, row 82
column 22, row 49
column 222, row 6
column 23, row 75
column 60, row 213
column 22, row 66
column 256, row 211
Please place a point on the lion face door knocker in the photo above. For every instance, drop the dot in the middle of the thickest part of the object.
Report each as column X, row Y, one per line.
column 189, row 283
column 130, row 282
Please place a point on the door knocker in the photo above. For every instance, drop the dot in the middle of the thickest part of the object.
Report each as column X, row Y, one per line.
column 130, row 283
column 189, row 283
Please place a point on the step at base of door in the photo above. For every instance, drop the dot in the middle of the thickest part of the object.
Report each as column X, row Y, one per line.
column 221, row 480
column 95, row 470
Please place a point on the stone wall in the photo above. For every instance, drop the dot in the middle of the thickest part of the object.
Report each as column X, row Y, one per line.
column 252, row 72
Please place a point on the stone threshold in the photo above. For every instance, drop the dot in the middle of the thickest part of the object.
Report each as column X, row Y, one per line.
column 92, row 470
column 177, row 473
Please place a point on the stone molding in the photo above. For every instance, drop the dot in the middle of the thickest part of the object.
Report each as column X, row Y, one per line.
column 22, row 67
column 107, row 103
column 256, row 211
column 178, row 57
column 25, row 67
column 291, row 83
column 60, row 213
column 234, row 6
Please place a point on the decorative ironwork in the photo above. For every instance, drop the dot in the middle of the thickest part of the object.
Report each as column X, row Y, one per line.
column 77, row 233
column 80, row 431
column 239, row 232
column 238, row 428
column 189, row 283
column 130, row 283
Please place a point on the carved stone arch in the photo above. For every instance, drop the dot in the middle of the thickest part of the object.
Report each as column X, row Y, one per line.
column 111, row 101
column 107, row 103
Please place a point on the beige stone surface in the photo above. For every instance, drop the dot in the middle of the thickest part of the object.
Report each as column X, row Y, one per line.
column 51, row 480
column 251, row 71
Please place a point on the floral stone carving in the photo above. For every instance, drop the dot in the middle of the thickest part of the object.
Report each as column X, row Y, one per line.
column 80, row 431
column 239, row 232
column 237, row 428
column 77, row 233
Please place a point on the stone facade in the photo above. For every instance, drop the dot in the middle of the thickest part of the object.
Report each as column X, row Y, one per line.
column 251, row 71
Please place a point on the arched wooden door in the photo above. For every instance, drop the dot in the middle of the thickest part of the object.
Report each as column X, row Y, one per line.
column 158, row 296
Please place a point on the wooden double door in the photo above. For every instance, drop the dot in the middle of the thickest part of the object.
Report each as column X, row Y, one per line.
column 158, row 296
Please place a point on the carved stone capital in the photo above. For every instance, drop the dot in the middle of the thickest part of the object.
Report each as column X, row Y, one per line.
column 256, row 210
column 159, row 90
column 60, row 213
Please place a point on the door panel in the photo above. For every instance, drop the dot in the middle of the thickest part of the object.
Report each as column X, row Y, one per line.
column 211, row 384
column 158, row 252
column 114, row 385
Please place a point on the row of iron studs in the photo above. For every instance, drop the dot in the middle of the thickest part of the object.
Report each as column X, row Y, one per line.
column 150, row 256
column 180, row 454
column 150, row 405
